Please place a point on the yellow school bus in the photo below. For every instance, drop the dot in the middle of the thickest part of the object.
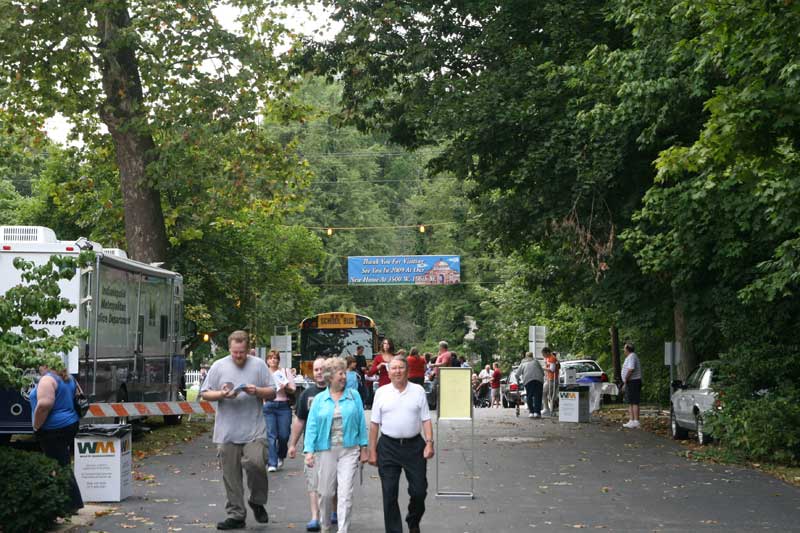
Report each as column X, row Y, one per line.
column 329, row 334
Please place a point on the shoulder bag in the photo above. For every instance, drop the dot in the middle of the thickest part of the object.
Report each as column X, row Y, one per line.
column 80, row 401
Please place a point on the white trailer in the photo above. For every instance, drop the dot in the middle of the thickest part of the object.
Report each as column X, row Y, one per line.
column 133, row 312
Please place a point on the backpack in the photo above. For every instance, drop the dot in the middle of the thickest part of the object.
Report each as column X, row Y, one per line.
column 454, row 361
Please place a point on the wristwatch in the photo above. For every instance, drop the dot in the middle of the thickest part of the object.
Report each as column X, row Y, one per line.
column 429, row 440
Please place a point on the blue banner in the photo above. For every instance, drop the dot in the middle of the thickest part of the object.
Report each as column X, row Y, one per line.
column 404, row 270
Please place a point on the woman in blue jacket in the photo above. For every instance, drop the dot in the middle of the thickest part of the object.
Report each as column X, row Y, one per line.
column 335, row 442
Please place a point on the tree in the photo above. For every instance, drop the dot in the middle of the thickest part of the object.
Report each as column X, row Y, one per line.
column 152, row 74
column 36, row 299
column 525, row 100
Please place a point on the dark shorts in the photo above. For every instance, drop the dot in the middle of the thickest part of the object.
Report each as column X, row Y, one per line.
column 633, row 391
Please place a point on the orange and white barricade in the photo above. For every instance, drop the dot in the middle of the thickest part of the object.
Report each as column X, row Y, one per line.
column 130, row 409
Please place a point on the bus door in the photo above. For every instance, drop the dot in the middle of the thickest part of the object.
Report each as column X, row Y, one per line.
column 138, row 350
column 87, row 319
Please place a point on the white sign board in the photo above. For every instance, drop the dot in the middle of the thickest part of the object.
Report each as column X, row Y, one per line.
column 103, row 467
column 668, row 348
column 537, row 339
column 282, row 343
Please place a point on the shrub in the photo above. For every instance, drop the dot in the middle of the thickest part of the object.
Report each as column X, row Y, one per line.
column 763, row 429
column 34, row 490
column 760, row 416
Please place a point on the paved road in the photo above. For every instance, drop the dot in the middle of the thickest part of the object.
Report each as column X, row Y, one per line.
column 529, row 475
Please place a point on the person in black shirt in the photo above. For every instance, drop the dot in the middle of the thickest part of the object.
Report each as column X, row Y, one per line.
column 364, row 387
column 303, row 406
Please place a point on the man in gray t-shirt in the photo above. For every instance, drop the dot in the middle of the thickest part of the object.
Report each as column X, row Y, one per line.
column 239, row 383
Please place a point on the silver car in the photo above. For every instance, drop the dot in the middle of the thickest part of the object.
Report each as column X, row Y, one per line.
column 511, row 390
column 690, row 402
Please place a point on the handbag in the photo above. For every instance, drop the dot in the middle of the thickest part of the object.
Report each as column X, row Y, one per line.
column 80, row 401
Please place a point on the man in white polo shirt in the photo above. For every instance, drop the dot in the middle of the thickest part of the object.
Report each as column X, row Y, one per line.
column 400, row 414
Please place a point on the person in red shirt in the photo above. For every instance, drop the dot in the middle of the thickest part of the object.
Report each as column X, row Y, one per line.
column 496, row 376
column 443, row 359
column 380, row 363
column 416, row 367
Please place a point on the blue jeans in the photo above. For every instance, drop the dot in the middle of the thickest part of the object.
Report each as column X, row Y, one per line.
column 278, row 416
column 533, row 396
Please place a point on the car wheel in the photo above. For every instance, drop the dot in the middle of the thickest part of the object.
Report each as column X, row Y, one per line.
column 703, row 438
column 504, row 402
column 678, row 433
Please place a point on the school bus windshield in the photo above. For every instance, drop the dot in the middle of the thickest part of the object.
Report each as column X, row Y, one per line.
column 330, row 342
column 329, row 334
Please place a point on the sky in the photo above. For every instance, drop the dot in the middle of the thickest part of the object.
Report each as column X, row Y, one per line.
column 299, row 21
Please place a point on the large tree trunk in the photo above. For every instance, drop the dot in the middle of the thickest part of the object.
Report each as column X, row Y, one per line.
column 124, row 113
column 688, row 357
column 615, row 358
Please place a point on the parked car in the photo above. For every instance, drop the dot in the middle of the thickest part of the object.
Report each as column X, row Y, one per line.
column 584, row 368
column 511, row 390
column 690, row 401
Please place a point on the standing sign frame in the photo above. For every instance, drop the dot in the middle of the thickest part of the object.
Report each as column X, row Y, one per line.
column 454, row 402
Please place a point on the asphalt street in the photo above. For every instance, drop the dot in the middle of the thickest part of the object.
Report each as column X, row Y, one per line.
column 529, row 474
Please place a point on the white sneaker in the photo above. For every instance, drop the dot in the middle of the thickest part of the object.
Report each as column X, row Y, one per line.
column 280, row 464
column 632, row 424
column 531, row 415
column 271, row 469
column 545, row 413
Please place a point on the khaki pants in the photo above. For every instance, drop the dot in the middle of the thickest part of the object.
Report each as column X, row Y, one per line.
column 337, row 472
column 549, row 395
column 252, row 457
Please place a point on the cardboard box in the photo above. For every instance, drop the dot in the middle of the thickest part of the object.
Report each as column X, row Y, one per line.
column 103, row 464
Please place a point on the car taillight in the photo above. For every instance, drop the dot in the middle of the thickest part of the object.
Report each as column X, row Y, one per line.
column 603, row 377
column 513, row 386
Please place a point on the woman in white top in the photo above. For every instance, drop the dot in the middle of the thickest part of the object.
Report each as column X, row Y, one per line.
column 278, row 412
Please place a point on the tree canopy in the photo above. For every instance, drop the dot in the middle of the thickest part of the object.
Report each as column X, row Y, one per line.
column 163, row 87
column 639, row 157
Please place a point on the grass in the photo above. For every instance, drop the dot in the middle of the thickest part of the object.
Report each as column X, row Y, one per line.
column 162, row 436
column 655, row 419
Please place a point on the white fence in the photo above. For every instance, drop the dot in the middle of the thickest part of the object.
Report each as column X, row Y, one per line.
column 191, row 376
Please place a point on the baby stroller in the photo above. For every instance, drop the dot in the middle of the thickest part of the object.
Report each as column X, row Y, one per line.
column 480, row 396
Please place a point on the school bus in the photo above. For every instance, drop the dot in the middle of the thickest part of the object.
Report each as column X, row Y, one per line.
column 330, row 334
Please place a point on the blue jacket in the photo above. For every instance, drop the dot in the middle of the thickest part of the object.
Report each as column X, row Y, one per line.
column 320, row 419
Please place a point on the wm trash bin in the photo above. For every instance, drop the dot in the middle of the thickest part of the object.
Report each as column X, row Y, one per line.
column 103, row 462
column 573, row 403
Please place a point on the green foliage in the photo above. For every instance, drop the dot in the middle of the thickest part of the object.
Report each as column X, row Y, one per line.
column 749, row 426
column 760, row 415
column 34, row 490
column 24, row 152
column 36, row 300
column 362, row 180
column 180, row 97
column 672, row 125
column 13, row 206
